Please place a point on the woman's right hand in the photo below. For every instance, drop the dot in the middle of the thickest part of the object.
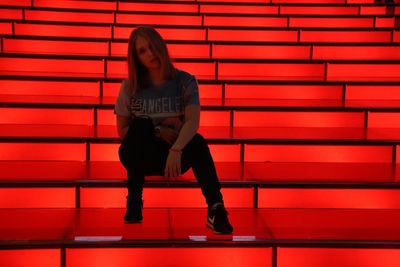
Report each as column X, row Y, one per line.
column 169, row 135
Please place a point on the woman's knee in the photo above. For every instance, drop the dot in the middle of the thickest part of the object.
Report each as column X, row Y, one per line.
column 198, row 143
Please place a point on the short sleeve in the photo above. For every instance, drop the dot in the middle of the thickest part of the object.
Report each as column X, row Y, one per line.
column 122, row 105
column 190, row 90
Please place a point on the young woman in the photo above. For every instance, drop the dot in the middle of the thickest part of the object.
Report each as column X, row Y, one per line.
column 158, row 114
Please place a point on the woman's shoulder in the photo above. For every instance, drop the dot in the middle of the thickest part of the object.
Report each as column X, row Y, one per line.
column 125, row 86
column 184, row 76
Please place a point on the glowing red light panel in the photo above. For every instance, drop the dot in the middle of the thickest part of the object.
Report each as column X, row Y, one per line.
column 46, row 116
column 251, row 91
column 48, row 151
column 317, row 153
column 360, row 1
column 245, row 21
column 237, row 1
column 318, row 10
column 253, row 35
column 17, row 170
column 225, row 153
column 69, row 16
column 368, row 92
column 111, row 89
column 30, row 257
column 363, row 72
column 298, row 119
column 183, row 20
column 271, row 71
column 52, row 67
column 345, row 36
column 215, row 118
column 372, row 10
column 81, row 4
column 238, row 9
column 6, row 28
column 384, row 22
column 55, row 47
column 384, row 119
column 329, row 198
column 26, row 87
column 356, row 52
column 331, row 22
column 310, row 1
column 319, row 171
column 122, row 257
column 345, row 257
column 210, row 91
column 157, row 7
column 26, row 3
column 166, row 33
column 63, row 30
column 396, row 36
column 10, row 13
column 221, row 51
column 164, row 197
column 11, row 198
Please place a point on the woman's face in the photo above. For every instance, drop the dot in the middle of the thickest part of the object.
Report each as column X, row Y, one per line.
column 145, row 53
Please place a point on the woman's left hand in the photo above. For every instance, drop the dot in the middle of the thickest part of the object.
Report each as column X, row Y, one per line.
column 173, row 164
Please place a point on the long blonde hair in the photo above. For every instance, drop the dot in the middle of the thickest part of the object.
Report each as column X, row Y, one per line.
column 137, row 73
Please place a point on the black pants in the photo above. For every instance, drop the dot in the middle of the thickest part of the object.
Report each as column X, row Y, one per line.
column 142, row 154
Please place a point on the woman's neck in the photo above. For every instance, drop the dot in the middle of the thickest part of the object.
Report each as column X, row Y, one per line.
column 156, row 76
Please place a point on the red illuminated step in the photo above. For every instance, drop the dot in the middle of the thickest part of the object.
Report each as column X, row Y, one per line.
column 276, row 196
column 237, row 96
column 95, row 173
column 78, row 93
column 346, row 228
column 310, row 144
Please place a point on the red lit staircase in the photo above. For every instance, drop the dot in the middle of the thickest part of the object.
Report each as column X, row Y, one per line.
column 300, row 105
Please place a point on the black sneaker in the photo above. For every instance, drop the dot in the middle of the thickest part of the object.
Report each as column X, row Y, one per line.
column 218, row 221
column 133, row 211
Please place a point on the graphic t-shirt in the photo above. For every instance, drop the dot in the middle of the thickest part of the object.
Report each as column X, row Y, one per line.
column 165, row 104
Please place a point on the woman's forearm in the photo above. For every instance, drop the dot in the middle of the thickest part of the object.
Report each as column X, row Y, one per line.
column 189, row 129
